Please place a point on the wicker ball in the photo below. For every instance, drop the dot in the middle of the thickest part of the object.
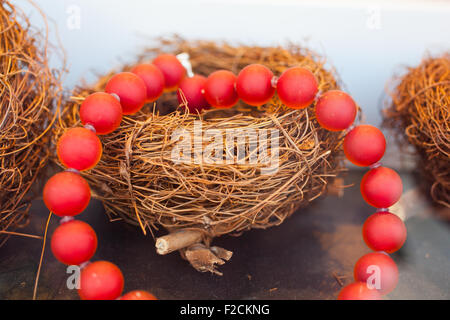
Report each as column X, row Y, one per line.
column 29, row 94
column 419, row 112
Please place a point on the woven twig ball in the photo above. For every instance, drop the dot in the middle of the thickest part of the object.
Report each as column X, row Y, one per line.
column 29, row 94
column 419, row 112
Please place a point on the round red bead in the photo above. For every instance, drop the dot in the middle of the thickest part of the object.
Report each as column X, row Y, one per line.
column 297, row 87
column 381, row 187
column 384, row 231
column 364, row 145
column 101, row 280
column 381, row 270
column 74, row 242
column 254, row 85
column 153, row 79
column 102, row 111
column 171, row 68
column 79, row 148
column 193, row 91
column 358, row 291
column 131, row 90
column 138, row 295
column 335, row 110
column 220, row 89
column 66, row 194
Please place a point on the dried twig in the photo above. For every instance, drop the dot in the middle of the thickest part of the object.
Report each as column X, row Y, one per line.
column 41, row 259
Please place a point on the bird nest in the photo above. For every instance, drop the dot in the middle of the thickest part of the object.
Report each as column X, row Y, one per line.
column 420, row 114
column 29, row 91
column 138, row 180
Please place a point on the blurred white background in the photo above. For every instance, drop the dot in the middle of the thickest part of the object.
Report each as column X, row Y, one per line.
column 366, row 41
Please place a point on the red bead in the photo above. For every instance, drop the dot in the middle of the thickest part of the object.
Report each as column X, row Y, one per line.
column 364, row 145
column 358, row 291
column 138, row 295
column 193, row 89
column 171, row 68
column 153, row 79
column 131, row 90
column 335, row 110
column 381, row 187
column 220, row 89
column 297, row 87
column 254, row 85
column 66, row 194
column 79, row 148
column 378, row 269
column 384, row 231
column 74, row 242
column 102, row 111
column 101, row 280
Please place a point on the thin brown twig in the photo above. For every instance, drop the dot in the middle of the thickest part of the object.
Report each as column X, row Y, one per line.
column 339, row 279
column 20, row 234
column 36, row 282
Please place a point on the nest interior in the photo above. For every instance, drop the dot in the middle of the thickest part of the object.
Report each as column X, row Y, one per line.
column 29, row 92
column 138, row 181
column 420, row 114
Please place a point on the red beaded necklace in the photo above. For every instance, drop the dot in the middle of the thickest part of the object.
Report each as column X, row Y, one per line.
column 67, row 194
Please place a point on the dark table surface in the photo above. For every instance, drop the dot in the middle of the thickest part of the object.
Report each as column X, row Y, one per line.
column 297, row 260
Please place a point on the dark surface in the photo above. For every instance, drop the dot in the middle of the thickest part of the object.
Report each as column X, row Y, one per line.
column 294, row 261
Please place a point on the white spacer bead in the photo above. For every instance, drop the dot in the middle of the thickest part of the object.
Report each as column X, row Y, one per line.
column 90, row 127
column 115, row 96
column 375, row 165
column 66, row 219
column 274, row 81
column 352, row 126
column 84, row 264
column 72, row 170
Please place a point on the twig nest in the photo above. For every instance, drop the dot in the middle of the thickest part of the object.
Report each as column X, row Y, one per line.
column 29, row 95
column 138, row 179
column 419, row 113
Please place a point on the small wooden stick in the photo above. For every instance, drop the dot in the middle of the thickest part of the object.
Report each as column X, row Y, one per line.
column 336, row 188
column 177, row 240
column 221, row 253
column 21, row 234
